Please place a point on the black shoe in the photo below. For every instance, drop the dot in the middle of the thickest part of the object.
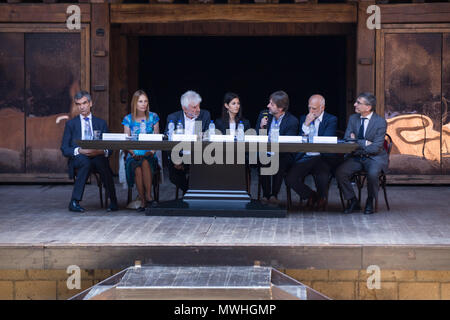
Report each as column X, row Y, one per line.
column 140, row 209
column 369, row 206
column 352, row 206
column 151, row 204
column 75, row 206
column 113, row 206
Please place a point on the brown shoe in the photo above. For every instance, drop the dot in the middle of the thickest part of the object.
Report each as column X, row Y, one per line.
column 322, row 204
column 312, row 200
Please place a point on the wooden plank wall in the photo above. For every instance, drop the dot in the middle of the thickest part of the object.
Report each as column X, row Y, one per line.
column 286, row 13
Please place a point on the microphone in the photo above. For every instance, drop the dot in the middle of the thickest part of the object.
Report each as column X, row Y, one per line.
column 265, row 115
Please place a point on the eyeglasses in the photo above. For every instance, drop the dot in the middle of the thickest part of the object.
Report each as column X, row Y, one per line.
column 358, row 102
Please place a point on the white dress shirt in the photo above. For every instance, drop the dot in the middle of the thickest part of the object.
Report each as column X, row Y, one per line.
column 76, row 151
column 366, row 123
column 189, row 125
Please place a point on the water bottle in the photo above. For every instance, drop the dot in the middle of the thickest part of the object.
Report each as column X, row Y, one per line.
column 212, row 129
column 179, row 128
column 312, row 131
column 274, row 132
column 240, row 132
column 143, row 127
column 171, row 129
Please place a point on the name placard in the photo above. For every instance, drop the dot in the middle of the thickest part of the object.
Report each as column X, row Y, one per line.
column 290, row 139
column 253, row 138
column 325, row 139
column 221, row 138
column 114, row 136
column 184, row 137
column 150, row 137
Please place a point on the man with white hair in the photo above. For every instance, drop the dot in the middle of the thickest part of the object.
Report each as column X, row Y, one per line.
column 315, row 163
column 190, row 113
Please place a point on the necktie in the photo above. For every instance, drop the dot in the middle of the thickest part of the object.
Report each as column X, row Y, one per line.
column 87, row 129
column 361, row 129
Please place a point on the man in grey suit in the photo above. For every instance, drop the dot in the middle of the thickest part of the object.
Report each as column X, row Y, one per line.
column 369, row 129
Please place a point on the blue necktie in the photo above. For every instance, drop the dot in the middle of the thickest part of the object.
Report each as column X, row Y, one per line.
column 87, row 129
column 361, row 129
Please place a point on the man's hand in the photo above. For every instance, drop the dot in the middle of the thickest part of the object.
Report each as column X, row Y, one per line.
column 352, row 136
column 264, row 122
column 178, row 166
column 368, row 143
column 91, row 152
column 309, row 118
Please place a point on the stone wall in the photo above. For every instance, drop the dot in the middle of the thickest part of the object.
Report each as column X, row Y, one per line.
column 336, row 284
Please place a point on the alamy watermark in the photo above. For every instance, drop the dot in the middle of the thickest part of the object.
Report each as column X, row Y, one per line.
column 374, row 21
column 374, row 280
column 73, row 21
column 74, row 280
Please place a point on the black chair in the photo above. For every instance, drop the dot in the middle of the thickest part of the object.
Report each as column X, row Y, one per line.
column 360, row 177
column 99, row 185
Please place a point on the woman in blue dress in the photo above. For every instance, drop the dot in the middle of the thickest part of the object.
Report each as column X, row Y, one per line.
column 140, row 164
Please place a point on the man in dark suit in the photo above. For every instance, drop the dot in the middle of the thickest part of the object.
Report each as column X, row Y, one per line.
column 189, row 115
column 82, row 128
column 369, row 129
column 277, row 115
column 320, row 123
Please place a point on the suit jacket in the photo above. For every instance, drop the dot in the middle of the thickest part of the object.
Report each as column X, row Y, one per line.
column 375, row 133
column 222, row 125
column 326, row 128
column 204, row 116
column 288, row 127
column 72, row 133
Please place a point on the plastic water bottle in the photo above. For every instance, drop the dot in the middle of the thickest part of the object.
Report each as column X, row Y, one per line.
column 212, row 128
column 274, row 132
column 143, row 127
column 171, row 129
column 312, row 131
column 180, row 129
column 240, row 132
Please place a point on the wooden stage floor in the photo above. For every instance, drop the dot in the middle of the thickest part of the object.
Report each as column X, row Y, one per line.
column 37, row 231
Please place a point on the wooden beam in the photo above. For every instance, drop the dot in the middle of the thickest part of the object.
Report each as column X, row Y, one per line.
column 288, row 13
column 415, row 13
column 100, row 41
column 365, row 51
column 237, row 29
column 27, row 12
column 118, row 98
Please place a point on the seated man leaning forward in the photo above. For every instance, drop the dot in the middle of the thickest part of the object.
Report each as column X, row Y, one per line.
column 82, row 160
column 190, row 113
column 320, row 123
column 369, row 129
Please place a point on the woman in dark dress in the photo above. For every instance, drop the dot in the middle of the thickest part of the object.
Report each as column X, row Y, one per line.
column 231, row 115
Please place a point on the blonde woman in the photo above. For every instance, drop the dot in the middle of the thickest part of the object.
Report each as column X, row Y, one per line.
column 140, row 164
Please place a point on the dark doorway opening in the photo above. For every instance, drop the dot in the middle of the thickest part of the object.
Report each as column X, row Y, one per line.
column 252, row 67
